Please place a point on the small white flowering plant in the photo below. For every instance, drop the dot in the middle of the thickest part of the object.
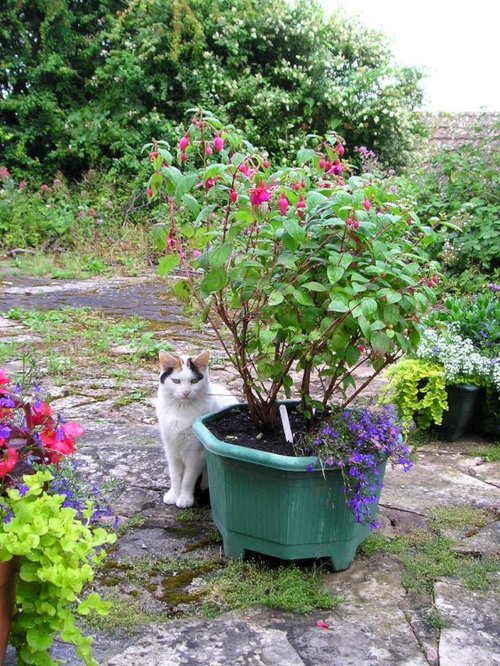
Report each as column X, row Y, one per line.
column 462, row 362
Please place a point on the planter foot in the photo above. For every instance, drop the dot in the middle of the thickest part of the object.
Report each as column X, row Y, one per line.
column 341, row 562
column 233, row 549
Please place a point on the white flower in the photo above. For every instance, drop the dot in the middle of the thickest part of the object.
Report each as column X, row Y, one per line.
column 458, row 356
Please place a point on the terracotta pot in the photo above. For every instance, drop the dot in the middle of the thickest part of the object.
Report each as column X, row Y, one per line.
column 8, row 572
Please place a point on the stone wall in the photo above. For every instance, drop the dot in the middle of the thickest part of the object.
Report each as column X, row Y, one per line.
column 451, row 130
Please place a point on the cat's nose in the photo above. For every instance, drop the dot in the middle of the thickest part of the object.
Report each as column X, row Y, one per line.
column 185, row 394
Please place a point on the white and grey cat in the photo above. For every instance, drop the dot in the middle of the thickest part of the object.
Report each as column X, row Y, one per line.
column 185, row 392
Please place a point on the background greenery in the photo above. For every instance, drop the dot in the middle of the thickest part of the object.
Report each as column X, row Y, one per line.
column 83, row 85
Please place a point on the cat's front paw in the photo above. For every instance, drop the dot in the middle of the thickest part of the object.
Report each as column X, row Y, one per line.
column 170, row 497
column 183, row 501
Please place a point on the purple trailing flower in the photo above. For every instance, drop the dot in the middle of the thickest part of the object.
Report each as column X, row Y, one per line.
column 358, row 442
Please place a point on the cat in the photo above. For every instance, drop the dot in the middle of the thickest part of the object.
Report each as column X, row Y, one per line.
column 185, row 392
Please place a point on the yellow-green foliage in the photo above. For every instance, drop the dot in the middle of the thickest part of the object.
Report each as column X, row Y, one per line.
column 56, row 553
column 418, row 390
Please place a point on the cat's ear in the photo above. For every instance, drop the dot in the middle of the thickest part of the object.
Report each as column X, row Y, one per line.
column 169, row 361
column 201, row 361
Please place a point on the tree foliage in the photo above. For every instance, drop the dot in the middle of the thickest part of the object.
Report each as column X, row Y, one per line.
column 84, row 83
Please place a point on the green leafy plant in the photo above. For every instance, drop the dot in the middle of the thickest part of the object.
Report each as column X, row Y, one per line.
column 57, row 553
column 45, row 528
column 308, row 269
column 418, row 390
column 461, row 185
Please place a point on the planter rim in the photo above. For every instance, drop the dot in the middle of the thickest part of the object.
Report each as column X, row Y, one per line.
column 242, row 453
column 465, row 387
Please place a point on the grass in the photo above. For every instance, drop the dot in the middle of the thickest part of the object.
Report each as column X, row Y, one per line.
column 461, row 516
column 427, row 556
column 490, row 452
column 243, row 585
column 220, row 587
column 8, row 351
column 88, row 333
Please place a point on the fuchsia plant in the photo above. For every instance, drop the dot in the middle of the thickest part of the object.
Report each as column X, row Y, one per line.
column 307, row 269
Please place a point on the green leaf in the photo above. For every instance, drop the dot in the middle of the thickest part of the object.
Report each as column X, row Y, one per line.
column 295, row 231
column 267, row 336
column 275, row 298
column 380, row 343
column 182, row 290
column 184, row 184
column 167, row 264
column 334, row 273
column 213, row 281
column 219, row 256
column 38, row 640
column 302, row 298
column 172, row 174
column 191, row 204
column 305, row 155
column 352, row 355
column 368, row 306
column 337, row 305
column 391, row 315
column 393, row 296
column 313, row 286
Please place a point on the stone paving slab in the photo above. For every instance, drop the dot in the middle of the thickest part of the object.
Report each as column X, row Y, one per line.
column 377, row 623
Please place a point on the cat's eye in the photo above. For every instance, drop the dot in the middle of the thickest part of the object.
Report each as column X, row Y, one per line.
column 176, row 381
column 195, row 381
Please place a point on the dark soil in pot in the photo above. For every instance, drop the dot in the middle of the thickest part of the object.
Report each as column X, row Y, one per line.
column 237, row 427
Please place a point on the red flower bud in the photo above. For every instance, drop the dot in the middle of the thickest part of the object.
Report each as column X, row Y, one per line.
column 265, row 164
column 184, row 143
column 233, row 196
column 183, row 157
column 150, row 192
column 340, row 150
column 218, row 143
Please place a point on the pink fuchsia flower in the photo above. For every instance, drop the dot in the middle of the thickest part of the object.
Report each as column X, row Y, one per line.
column 283, row 204
column 4, row 173
column 265, row 164
column 23, row 185
column 336, row 168
column 340, row 150
column 208, row 149
column 184, row 143
column 301, row 204
column 196, row 254
column 233, row 196
column 322, row 163
column 209, row 183
column 243, row 168
column 150, row 192
column 391, row 172
column 218, row 143
column 367, row 205
column 183, row 157
column 45, row 188
column 4, row 380
column 260, row 194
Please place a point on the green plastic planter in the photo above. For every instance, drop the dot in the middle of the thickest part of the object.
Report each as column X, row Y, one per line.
column 459, row 418
column 271, row 504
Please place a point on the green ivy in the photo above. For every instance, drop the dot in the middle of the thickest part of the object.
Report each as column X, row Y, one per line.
column 57, row 554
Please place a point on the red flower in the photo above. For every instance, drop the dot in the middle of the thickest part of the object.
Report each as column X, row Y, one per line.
column 3, row 378
column 40, row 413
column 8, row 462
